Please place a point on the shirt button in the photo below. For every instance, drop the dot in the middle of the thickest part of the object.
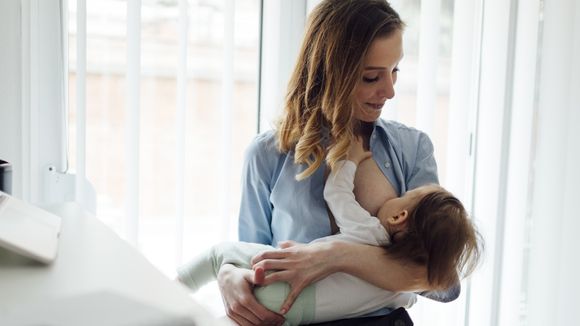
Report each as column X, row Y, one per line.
column 374, row 136
column 387, row 165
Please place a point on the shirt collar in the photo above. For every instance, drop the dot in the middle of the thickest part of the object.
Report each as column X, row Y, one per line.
column 380, row 126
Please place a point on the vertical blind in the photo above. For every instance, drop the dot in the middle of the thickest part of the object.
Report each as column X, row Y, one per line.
column 81, row 69
column 180, row 126
column 132, row 122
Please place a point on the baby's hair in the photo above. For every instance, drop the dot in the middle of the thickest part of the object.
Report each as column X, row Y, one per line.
column 440, row 236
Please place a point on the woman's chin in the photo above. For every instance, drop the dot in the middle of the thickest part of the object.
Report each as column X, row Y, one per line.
column 369, row 116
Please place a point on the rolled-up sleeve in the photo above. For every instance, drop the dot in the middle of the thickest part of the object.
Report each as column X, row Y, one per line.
column 424, row 170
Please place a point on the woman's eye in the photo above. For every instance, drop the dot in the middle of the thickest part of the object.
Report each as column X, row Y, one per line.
column 370, row 80
column 395, row 70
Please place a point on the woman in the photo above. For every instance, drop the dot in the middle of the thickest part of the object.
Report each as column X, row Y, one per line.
column 346, row 71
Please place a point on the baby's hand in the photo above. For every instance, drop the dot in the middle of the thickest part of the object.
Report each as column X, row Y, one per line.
column 356, row 152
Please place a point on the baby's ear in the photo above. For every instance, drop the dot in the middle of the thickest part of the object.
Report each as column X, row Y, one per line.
column 399, row 218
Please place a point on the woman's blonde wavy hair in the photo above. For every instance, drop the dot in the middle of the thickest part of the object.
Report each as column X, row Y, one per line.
column 317, row 122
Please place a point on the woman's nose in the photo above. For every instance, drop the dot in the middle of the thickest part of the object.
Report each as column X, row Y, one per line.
column 387, row 89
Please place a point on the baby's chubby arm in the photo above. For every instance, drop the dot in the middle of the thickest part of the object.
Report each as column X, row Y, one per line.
column 353, row 220
column 356, row 152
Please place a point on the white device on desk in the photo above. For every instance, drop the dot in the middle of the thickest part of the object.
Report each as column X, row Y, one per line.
column 97, row 280
column 28, row 230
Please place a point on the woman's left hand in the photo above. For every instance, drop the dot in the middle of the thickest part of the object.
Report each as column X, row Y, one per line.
column 297, row 264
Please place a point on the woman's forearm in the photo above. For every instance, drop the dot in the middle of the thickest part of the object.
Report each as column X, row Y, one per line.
column 375, row 266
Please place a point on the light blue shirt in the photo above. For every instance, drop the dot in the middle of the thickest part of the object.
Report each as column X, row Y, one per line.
column 276, row 207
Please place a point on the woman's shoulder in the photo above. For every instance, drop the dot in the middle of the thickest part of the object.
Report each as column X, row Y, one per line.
column 268, row 137
column 265, row 142
column 264, row 147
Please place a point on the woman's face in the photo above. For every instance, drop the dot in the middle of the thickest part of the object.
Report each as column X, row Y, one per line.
column 379, row 76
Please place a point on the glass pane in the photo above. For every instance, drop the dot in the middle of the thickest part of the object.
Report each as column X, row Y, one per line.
column 212, row 171
column 405, row 102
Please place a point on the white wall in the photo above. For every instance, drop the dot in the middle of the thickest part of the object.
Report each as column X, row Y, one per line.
column 10, row 90
column 32, row 112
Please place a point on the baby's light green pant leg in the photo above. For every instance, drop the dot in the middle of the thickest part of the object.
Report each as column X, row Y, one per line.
column 205, row 268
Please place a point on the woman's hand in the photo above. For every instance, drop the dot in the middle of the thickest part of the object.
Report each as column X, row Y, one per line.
column 301, row 265
column 241, row 306
column 297, row 264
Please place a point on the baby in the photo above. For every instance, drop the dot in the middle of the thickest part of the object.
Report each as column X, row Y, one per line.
column 426, row 226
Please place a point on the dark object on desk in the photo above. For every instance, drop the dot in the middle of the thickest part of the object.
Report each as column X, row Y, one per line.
column 398, row 317
column 5, row 177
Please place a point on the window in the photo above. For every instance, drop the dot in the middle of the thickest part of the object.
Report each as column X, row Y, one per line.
column 423, row 88
column 203, row 153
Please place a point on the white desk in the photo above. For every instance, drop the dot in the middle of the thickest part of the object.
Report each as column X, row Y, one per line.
column 91, row 261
